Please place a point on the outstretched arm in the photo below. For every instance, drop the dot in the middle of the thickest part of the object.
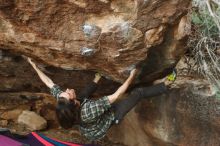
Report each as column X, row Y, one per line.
column 95, row 108
column 121, row 90
column 42, row 76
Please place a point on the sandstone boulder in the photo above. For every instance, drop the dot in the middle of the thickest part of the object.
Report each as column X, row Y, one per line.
column 12, row 114
column 74, row 38
column 98, row 35
column 188, row 116
column 32, row 120
column 3, row 123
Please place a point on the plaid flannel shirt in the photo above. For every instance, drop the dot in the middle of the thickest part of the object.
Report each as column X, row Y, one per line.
column 56, row 91
column 96, row 118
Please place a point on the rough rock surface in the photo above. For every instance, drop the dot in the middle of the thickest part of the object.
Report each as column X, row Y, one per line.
column 188, row 116
column 103, row 35
column 17, row 75
column 32, row 120
column 71, row 38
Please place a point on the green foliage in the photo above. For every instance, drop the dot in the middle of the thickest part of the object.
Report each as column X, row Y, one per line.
column 204, row 40
column 205, row 23
column 217, row 93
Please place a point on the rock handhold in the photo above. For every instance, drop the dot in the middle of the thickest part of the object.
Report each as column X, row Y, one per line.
column 129, row 69
column 154, row 36
column 87, row 51
column 91, row 31
column 32, row 120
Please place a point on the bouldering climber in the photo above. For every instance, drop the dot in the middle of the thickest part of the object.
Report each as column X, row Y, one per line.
column 95, row 116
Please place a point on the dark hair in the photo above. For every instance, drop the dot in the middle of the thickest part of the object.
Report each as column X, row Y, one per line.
column 67, row 113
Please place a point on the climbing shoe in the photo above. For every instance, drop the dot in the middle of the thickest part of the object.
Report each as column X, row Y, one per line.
column 172, row 76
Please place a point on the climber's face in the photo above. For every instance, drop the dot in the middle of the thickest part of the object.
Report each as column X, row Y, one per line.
column 69, row 94
column 72, row 94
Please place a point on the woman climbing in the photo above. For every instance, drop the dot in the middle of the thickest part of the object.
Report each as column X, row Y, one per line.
column 95, row 117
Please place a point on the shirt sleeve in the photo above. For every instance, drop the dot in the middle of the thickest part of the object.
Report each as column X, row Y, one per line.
column 94, row 108
column 56, row 91
column 87, row 91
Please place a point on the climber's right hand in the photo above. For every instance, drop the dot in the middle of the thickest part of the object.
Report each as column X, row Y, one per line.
column 133, row 72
